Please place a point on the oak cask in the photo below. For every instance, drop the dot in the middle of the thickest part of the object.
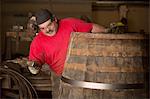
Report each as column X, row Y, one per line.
column 119, row 60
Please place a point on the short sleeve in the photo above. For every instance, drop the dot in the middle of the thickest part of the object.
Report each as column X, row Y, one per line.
column 82, row 26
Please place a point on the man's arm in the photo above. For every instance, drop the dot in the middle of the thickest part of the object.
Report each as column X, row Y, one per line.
column 98, row 28
column 36, row 57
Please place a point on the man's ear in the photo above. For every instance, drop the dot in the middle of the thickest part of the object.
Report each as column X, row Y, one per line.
column 55, row 19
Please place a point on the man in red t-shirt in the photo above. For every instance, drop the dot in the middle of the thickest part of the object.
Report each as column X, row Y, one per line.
column 51, row 43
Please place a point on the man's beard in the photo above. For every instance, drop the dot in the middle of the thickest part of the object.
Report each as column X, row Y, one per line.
column 50, row 32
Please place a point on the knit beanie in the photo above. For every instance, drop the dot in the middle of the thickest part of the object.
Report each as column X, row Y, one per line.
column 43, row 15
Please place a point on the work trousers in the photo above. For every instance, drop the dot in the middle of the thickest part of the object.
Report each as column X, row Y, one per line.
column 56, row 86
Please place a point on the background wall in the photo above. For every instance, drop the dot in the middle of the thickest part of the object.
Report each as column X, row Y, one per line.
column 0, row 31
column 138, row 18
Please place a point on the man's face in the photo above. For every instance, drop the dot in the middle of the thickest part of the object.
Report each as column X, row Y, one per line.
column 49, row 27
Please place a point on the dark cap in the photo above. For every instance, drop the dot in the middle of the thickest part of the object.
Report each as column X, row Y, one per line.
column 43, row 15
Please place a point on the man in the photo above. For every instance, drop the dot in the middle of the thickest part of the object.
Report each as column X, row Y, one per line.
column 51, row 43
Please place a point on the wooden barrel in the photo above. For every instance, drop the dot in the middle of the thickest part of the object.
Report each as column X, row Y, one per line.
column 116, row 60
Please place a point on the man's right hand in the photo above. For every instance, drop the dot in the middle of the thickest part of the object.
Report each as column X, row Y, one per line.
column 33, row 67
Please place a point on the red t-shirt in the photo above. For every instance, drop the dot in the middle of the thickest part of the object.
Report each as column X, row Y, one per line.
column 52, row 49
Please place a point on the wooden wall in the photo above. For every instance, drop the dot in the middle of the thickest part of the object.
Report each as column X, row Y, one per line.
column 16, row 12
column 72, row 9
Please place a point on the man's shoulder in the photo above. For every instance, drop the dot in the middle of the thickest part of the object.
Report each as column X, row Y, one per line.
column 37, row 38
column 70, row 19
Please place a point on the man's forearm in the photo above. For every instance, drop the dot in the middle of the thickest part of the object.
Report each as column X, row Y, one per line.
column 98, row 29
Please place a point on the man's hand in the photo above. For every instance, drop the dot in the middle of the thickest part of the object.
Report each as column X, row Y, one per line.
column 98, row 29
column 33, row 67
